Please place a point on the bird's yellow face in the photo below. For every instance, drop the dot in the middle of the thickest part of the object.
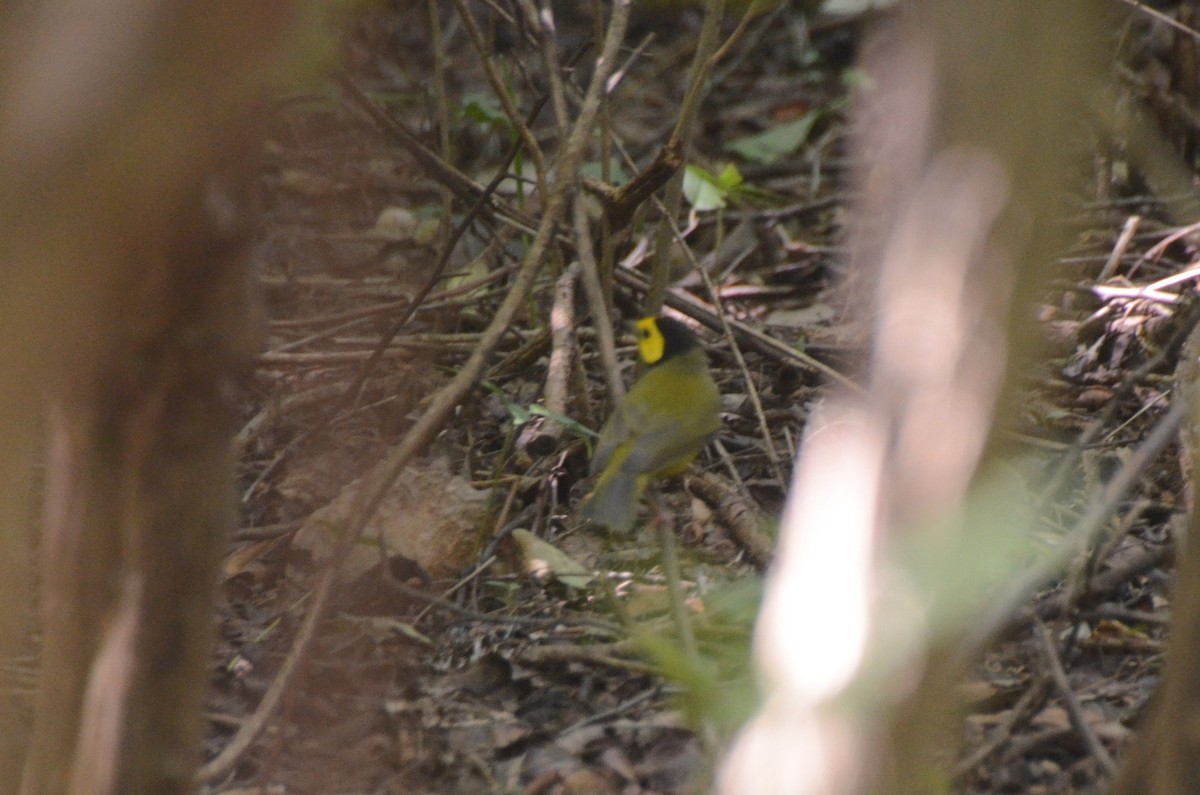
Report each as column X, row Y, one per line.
column 650, row 340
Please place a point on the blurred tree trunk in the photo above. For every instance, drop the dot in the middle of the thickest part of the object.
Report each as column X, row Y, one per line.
column 1012, row 83
column 138, row 509
column 126, row 159
column 965, row 141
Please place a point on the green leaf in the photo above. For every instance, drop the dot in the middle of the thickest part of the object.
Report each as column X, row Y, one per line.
column 776, row 142
column 702, row 190
column 571, row 425
column 730, row 178
column 519, row 415
column 540, row 557
column 516, row 412
column 616, row 173
column 484, row 109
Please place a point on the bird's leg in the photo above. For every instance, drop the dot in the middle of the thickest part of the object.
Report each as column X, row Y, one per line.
column 663, row 522
column 660, row 511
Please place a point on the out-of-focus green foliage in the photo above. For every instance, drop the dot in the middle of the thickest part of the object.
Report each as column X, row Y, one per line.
column 705, row 191
column 775, row 142
column 719, row 688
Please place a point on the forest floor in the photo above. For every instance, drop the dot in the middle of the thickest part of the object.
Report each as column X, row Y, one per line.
column 460, row 653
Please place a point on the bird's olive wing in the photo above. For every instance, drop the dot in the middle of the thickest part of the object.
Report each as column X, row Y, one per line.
column 663, row 448
column 614, row 432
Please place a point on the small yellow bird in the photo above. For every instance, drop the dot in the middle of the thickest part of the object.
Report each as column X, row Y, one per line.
column 659, row 426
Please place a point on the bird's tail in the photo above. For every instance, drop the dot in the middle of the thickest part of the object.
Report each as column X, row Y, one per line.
column 614, row 502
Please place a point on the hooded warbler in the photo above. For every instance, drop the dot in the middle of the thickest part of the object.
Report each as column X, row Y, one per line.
column 660, row 425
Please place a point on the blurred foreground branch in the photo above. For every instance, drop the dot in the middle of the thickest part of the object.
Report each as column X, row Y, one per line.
column 126, row 169
column 965, row 141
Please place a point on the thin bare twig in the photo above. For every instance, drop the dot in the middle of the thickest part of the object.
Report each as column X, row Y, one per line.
column 1067, row 465
column 756, row 9
column 1163, row 18
column 1003, row 610
column 706, row 44
column 542, row 25
column 546, row 432
column 504, row 97
column 477, row 204
column 745, row 522
column 593, row 654
column 1049, row 652
column 442, row 110
column 764, row 427
column 674, row 577
column 769, row 346
column 1030, row 700
column 1120, row 247
column 594, row 291
column 249, row 731
column 562, row 341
